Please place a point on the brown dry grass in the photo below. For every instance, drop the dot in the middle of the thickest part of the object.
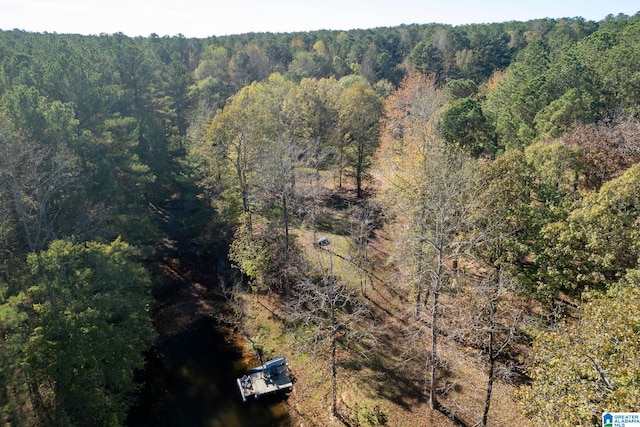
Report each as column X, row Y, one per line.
column 384, row 381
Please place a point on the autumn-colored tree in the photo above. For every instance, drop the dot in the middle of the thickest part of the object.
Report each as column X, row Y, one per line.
column 359, row 109
column 280, row 156
column 212, row 81
column 228, row 161
column 313, row 116
column 314, row 64
column 410, row 114
column 606, row 151
column 589, row 365
column 429, row 196
column 249, row 64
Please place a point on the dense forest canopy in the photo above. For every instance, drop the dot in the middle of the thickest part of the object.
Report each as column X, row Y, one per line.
column 510, row 150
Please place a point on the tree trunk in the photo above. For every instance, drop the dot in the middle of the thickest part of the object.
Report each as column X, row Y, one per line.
column 340, row 166
column 418, row 298
column 491, row 350
column 487, row 400
column 433, row 400
column 334, row 341
column 285, row 218
column 359, row 169
column 334, row 380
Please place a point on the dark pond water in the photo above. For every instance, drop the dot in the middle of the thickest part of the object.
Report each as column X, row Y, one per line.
column 190, row 381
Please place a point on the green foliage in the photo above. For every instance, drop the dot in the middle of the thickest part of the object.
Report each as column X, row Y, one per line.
column 508, row 209
column 524, row 193
column 462, row 88
column 369, row 417
column 465, row 126
column 95, row 128
column 598, row 242
column 557, row 171
column 554, row 85
column 585, row 369
column 250, row 256
column 469, row 52
column 359, row 110
column 44, row 122
column 427, row 59
column 562, row 114
column 510, row 191
column 90, row 326
column 13, row 337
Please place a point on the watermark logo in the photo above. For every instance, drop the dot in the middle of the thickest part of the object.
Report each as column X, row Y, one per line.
column 621, row 419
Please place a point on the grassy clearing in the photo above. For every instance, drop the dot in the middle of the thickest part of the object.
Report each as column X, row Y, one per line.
column 377, row 384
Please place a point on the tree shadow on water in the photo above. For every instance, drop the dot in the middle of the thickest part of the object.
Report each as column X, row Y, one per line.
column 190, row 380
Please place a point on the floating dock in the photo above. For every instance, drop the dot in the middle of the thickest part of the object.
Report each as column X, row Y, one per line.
column 272, row 377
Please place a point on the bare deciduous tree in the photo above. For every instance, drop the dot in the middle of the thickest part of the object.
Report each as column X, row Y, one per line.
column 34, row 178
column 364, row 220
column 605, row 151
column 329, row 314
column 429, row 194
column 487, row 320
